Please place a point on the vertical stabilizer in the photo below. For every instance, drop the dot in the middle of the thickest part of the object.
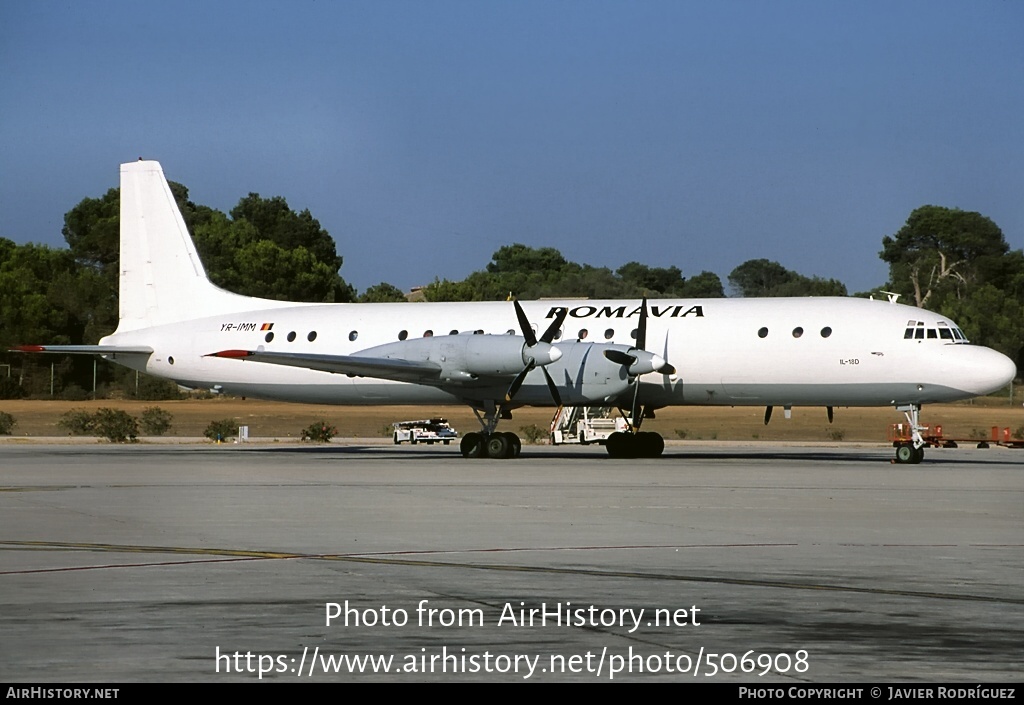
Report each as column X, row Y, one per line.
column 162, row 279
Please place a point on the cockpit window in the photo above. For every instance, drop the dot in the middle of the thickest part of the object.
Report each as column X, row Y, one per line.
column 916, row 330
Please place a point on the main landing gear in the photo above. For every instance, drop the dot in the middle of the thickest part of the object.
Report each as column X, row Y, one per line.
column 490, row 443
column 911, row 452
column 498, row 445
column 641, row 444
column 635, row 443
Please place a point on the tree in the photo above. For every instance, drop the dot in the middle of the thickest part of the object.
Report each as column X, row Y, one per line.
column 275, row 221
column 762, row 277
column 666, row 281
column 705, row 285
column 757, row 277
column 382, row 293
column 530, row 273
column 942, row 252
column 92, row 231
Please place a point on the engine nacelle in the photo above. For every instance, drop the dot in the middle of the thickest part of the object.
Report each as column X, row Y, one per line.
column 466, row 356
column 583, row 376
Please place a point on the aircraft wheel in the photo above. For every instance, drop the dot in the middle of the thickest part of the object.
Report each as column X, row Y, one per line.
column 472, row 445
column 620, row 445
column 650, row 445
column 918, row 455
column 396, row 439
column 498, row 446
column 515, row 445
column 905, row 453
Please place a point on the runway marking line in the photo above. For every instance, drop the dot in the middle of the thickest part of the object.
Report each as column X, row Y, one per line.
column 392, row 558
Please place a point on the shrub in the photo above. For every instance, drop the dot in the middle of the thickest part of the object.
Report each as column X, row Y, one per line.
column 10, row 389
column 1019, row 433
column 533, row 433
column 221, row 430
column 154, row 389
column 836, row 434
column 155, row 421
column 682, row 433
column 77, row 422
column 73, row 392
column 7, row 423
column 319, row 431
column 115, row 425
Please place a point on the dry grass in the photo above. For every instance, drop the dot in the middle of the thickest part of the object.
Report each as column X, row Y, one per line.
column 277, row 419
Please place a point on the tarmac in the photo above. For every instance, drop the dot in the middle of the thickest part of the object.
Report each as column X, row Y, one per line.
column 765, row 564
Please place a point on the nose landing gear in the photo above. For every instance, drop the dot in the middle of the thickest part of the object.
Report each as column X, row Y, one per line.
column 911, row 452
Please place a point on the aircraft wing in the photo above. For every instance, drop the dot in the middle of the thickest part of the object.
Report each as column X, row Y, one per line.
column 86, row 349
column 379, row 367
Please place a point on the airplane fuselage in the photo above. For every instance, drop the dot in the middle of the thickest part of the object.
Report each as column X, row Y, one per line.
column 806, row 351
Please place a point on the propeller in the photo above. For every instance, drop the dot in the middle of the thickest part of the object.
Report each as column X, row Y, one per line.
column 637, row 360
column 537, row 349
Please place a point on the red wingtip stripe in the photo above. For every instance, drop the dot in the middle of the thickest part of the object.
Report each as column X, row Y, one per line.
column 231, row 353
column 28, row 348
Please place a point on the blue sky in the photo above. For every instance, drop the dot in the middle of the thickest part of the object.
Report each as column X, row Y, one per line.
column 425, row 135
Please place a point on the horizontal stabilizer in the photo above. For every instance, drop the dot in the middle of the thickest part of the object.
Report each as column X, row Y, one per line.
column 86, row 349
column 379, row 367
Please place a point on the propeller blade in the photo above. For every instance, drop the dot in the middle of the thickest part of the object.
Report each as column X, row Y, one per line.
column 768, row 414
column 620, row 357
column 830, row 414
column 549, row 334
column 551, row 387
column 517, row 382
column 524, row 325
column 634, row 419
column 641, row 329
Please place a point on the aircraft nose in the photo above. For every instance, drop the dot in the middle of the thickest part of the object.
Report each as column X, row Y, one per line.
column 989, row 370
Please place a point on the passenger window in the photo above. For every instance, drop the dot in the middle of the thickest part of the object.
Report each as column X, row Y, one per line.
column 609, row 334
column 403, row 334
column 428, row 334
column 797, row 332
column 312, row 336
column 763, row 333
column 291, row 337
column 582, row 334
column 826, row 332
column 269, row 337
column 353, row 335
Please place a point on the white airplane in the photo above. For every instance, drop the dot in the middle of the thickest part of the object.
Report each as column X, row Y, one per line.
column 637, row 355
